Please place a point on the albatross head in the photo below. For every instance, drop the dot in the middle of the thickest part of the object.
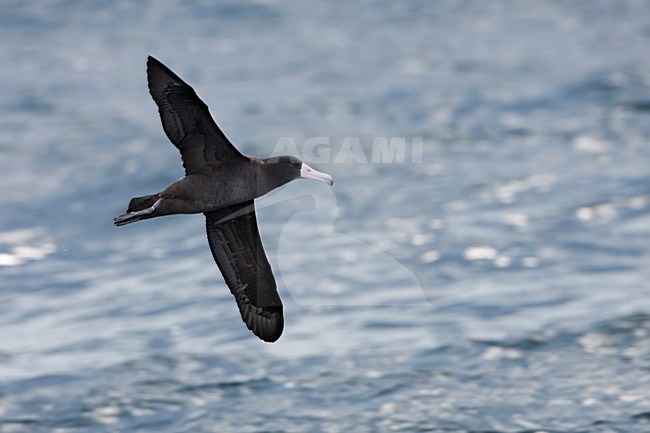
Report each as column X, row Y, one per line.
column 283, row 169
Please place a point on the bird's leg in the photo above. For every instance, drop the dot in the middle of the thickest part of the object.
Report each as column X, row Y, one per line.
column 132, row 217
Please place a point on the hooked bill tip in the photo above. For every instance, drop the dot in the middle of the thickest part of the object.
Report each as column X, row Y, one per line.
column 306, row 172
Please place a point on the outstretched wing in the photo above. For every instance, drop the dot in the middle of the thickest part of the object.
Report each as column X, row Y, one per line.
column 187, row 122
column 237, row 249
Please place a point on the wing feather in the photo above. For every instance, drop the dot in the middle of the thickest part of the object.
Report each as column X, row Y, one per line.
column 237, row 249
column 187, row 122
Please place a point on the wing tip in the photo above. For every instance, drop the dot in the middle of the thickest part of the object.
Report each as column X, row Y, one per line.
column 266, row 326
column 153, row 62
column 159, row 75
column 273, row 334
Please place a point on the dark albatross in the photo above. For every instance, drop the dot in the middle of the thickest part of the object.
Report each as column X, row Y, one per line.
column 221, row 183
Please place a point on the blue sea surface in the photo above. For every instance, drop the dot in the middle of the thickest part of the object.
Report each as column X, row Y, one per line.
column 495, row 279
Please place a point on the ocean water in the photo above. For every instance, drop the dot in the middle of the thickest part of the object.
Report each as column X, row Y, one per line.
column 496, row 279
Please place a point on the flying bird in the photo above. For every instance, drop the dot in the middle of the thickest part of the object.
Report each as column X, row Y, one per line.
column 221, row 183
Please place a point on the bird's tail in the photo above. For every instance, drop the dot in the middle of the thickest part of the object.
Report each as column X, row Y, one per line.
column 128, row 218
column 139, row 208
column 142, row 203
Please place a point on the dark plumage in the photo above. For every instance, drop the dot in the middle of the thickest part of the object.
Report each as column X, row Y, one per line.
column 222, row 183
